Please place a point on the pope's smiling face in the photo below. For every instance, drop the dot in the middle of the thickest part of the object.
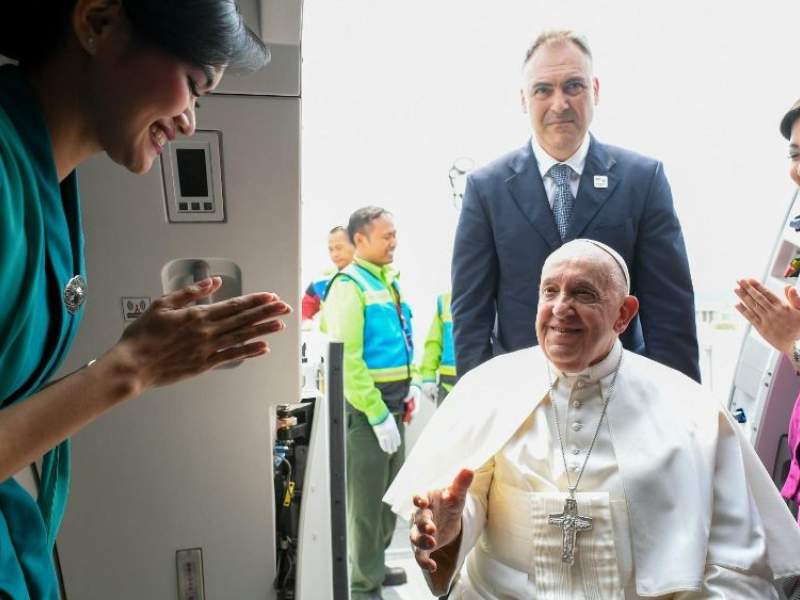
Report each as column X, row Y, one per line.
column 582, row 310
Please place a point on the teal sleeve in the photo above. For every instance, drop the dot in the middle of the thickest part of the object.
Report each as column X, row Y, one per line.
column 343, row 320
column 21, row 243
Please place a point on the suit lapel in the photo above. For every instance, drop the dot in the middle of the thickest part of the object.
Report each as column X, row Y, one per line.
column 591, row 198
column 527, row 190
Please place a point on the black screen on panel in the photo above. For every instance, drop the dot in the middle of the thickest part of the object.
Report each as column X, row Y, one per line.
column 192, row 172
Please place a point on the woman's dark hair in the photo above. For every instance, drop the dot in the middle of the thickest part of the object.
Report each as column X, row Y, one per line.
column 788, row 120
column 200, row 32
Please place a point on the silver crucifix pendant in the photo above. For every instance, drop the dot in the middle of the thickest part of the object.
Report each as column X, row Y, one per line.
column 571, row 524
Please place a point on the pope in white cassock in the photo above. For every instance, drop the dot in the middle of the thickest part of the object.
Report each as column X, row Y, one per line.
column 598, row 473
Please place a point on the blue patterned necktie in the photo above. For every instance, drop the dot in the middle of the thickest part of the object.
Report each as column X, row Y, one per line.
column 563, row 201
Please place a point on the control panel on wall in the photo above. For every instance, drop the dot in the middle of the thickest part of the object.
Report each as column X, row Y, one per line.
column 192, row 171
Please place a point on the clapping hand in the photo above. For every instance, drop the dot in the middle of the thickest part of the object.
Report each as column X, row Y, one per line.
column 777, row 320
column 174, row 340
column 437, row 521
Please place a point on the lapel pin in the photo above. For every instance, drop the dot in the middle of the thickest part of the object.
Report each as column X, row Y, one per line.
column 75, row 294
column 600, row 181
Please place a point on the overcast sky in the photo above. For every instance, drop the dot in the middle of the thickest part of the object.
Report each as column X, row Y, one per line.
column 394, row 91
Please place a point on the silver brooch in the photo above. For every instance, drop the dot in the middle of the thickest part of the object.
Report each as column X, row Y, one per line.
column 75, row 294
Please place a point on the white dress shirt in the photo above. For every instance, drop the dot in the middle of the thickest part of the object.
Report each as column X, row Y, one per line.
column 576, row 162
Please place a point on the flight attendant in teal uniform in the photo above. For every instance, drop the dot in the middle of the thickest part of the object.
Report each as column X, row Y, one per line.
column 120, row 77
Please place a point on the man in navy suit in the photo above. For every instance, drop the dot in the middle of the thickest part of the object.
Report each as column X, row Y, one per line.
column 562, row 185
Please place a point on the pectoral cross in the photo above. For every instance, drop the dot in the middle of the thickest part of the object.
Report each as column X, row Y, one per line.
column 571, row 524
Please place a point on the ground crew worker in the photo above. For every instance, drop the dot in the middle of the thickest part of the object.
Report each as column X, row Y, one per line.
column 364, row 308
column 439, row 360
column 341, row 251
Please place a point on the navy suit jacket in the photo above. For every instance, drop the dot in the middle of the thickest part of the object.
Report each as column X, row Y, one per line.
column 506, row 231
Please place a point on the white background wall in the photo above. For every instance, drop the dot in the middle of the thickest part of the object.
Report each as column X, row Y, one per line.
column 394, row 91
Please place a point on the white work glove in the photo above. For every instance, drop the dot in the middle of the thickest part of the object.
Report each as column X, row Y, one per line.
column 388, row 435
column 415, row 397
column 431, row 390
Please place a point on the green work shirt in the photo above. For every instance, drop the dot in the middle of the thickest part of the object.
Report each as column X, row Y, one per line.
column 343, row 319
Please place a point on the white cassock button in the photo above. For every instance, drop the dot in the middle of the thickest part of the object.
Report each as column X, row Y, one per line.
column 580, row 383
column 576, row 426
column 577, row 404
column 574, row 468
column 575, row 450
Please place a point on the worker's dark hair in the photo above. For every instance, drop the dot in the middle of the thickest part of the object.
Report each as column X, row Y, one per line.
column 337, row 229
column 201, row 32
column 361, row 219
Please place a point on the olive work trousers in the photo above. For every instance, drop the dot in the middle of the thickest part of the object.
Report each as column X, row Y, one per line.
column 370, row 522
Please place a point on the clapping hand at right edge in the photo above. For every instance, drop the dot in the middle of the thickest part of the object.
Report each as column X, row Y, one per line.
column 776, row 319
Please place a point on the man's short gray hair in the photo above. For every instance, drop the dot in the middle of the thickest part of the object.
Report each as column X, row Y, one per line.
column 557, row 37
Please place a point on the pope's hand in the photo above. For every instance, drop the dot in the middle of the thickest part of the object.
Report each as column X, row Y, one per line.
column 777, row 320
column 388, row 435
column 437, row 521
column 431, row 390
column 174, row 340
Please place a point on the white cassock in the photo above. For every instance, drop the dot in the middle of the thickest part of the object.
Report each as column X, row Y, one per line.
column 681, row 506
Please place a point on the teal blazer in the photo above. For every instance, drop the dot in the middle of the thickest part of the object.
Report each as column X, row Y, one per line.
column 41, row 249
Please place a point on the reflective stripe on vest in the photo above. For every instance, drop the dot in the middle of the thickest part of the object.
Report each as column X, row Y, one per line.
column 388, row 346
